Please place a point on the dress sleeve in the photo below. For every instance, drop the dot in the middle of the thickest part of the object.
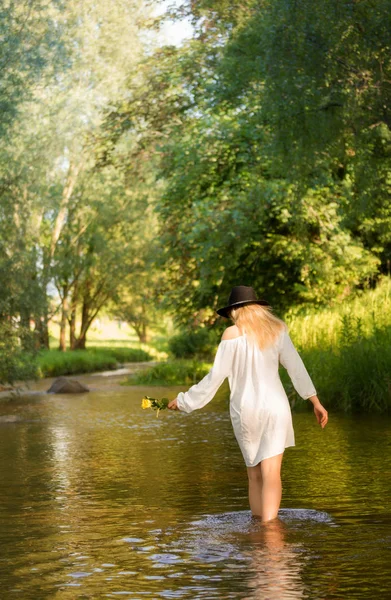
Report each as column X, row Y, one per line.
column 291, row 360
column 200, row 394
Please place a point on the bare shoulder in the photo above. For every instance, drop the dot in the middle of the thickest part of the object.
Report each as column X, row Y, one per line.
column 231, row 333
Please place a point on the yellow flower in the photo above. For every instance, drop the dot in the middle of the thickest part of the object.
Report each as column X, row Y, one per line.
column 145, row 403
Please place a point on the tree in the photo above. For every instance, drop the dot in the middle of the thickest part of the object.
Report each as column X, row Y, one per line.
column 230, row 211
column 46, row 156
column 100, row 249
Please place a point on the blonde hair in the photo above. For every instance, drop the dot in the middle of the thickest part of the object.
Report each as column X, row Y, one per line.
column 258, row 322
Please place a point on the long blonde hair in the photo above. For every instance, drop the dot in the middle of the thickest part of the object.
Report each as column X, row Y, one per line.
column 258, row 322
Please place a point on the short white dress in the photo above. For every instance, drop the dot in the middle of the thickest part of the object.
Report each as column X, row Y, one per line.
column 259, row 407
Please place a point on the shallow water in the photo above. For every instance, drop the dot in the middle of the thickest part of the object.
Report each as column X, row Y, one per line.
column 101, row 499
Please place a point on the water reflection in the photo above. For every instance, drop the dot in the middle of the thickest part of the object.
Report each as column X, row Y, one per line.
column 100, row 499
column 274, row 565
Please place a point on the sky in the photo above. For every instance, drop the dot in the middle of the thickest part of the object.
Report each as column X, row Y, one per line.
column 174, row 33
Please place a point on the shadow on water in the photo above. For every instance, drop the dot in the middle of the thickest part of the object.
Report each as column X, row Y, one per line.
column 100, row 499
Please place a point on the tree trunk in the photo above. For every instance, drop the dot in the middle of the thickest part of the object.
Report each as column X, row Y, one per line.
column 80, row 343
column 43, row 332
column 72, row 316
column 63, row 324
column 25, row 329
column 143, row 333
column 72, row 329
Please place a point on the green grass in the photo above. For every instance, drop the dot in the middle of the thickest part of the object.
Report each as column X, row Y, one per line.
column 317, row 328
column 180, row 372
column 347, row 351
column 122, row 354
column 53, row 363
column 355, row 375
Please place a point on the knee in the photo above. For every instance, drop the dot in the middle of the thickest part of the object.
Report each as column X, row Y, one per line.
column 271, row 475
column 271, row 468
column 254, row 475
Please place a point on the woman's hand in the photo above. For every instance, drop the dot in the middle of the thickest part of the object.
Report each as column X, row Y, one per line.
column 173, row 405
column 321, row 414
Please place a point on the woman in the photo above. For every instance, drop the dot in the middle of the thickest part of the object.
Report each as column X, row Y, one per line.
column 249, row 354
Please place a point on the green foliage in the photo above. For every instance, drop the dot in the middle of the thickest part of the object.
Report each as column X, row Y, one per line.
column 322, row 329
column 347, row 351
column 53, row 363
column 17, row 362
column 353, row 376
column 180, row 372
column 201, row 343
column 123, row 354
column 64, row 223
column 239, row 150
column 32, row 47
column 363, row 367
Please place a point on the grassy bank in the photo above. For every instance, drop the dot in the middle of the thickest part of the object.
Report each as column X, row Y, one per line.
column 347, row 351
column 52, row 363
column 317, row 328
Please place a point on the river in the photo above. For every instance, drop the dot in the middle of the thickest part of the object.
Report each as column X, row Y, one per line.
column 100, row 499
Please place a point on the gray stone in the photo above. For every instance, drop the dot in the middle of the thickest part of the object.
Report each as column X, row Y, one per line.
column 10, row 419
column 63, row 385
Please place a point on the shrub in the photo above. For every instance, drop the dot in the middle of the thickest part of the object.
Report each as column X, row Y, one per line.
column 361, row 375
column 353, row 376
column 123, row 354
column 18, row 360
column 180, row 372
column 54, row 363
column 188, row 344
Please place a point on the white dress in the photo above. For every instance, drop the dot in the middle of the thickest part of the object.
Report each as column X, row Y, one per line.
column 259, row 407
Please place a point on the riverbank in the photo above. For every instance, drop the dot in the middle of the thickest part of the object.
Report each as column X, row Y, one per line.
column 172, row 372
column 52, row 363
column 106, row 382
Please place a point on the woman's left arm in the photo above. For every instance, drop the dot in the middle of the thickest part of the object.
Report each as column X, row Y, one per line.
column 200, row 394
column 302, row 382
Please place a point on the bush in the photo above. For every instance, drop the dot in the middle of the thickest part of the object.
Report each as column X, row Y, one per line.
column 201, row 343
column 18, row 360
column 353, row 376
column 180, row 372
column 361, row 376
column 53, row 363
column 123, row 354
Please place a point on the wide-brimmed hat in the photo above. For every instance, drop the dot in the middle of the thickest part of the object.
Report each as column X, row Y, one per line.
column 240, row 296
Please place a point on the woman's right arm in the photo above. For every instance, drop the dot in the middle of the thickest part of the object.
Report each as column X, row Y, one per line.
column 200, row 394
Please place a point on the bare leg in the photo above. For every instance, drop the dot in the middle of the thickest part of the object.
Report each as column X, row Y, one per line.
column 255, row 489
column 271, row 487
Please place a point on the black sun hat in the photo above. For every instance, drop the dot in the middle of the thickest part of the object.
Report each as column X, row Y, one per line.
column 240, row 296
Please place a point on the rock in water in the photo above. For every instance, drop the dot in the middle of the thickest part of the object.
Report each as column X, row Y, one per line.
column 10, row 419
column 63, row 385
